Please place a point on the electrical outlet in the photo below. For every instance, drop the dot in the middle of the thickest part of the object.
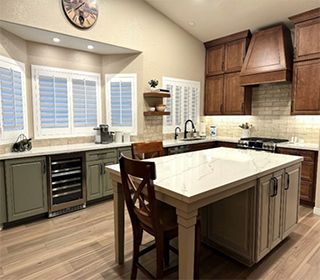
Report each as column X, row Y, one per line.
column 304, row 130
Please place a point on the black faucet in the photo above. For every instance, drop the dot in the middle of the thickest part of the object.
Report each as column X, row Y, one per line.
column 176, row 133
column 185, row 128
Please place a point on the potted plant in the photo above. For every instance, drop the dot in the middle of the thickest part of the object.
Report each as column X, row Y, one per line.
column 153, row 84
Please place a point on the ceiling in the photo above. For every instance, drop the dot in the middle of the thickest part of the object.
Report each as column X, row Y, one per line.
column 218, row 18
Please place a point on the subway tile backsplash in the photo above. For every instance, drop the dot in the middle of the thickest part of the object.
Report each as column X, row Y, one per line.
column 271, row 105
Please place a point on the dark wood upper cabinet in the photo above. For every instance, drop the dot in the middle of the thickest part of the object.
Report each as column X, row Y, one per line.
column 215, row 60
column 213, row 97
column 306, row 69
column 234, row 55
column 306, row 88
column 237, row 100
column 223, row 94
column 307, row 35
column 269, row 57
column 226, row 54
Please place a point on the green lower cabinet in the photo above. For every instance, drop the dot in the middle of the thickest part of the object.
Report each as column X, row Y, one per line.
column 94, row 179
column 3, row 203
column 98, row 181
column 107, row 183
column 26, row 186
column 126, row 151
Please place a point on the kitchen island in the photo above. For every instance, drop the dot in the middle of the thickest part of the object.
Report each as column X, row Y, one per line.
column 195, row 180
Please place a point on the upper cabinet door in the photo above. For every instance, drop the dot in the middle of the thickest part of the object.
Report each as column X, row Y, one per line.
column 237, row 100
column 215, row 60
column 307, row 35
column 213, row 95
column 235, row 53
column 306, row 88
column 307, row 40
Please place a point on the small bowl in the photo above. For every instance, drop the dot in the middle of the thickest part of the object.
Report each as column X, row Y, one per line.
column 161, row 107
column 152, row 109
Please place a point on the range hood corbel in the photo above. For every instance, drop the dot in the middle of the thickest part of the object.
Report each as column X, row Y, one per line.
column 269, row 57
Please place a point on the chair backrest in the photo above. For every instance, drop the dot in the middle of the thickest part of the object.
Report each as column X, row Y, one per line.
column 137, row 181
column 145, row 150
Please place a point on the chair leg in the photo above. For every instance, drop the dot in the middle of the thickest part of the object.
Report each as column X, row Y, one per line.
column 166, row 251
column 137, row 236
column 197, row 249
column 159, row 249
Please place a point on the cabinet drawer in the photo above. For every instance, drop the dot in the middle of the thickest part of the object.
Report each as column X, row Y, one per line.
column 101, row 154
column 202, row 146
column 307, row 155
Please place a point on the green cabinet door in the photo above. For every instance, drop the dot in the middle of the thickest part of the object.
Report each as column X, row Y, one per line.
column 107, row 183
column 3, row 203
column 95, row 170
column 26, row 185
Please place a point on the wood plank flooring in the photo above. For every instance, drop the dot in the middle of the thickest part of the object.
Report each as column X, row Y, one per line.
column 79, row 245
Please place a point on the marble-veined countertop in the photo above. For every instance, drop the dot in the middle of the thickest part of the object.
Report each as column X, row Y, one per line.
column 190, row 174
column 71, row 148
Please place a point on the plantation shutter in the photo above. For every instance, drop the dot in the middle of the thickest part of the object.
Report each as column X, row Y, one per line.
column 183, row 103
column 121, row 103
column 53, row 95
column 11, row 100
column 84, row 94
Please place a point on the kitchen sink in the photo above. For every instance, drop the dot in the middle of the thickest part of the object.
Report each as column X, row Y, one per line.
column 192, row 139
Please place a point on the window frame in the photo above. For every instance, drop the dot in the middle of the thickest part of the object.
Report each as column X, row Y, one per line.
column 116, row 77
column 69, row 74
column 8, row 137
column 171, row 103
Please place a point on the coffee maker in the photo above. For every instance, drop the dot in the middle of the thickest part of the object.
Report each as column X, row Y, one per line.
column 103, row 136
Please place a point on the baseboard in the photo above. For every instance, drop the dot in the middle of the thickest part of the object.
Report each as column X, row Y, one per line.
column 316, row 210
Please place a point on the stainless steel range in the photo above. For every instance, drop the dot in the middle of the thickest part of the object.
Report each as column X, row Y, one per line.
column 260, row 143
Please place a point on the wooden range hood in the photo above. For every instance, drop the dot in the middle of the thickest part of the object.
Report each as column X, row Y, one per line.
column 269, row 57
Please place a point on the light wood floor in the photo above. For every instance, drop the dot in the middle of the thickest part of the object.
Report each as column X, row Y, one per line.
column 79, row 245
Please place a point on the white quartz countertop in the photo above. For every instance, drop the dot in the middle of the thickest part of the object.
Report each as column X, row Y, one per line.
column 191, row 174
column 71, row 148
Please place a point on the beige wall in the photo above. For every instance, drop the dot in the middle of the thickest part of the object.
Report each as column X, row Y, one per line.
column 166, row 49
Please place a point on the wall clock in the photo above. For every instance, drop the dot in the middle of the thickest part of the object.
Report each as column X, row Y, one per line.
column 81, row 13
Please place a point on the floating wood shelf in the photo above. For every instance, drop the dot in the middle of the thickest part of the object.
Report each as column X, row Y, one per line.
column 155, row 113
column 156, row 94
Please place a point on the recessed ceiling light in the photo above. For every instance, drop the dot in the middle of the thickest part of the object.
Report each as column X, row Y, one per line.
column 57, row 40
column 90, row 47
column 191, row 23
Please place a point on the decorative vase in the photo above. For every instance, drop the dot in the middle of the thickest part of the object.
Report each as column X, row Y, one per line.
column 153, row 89
column 245, row 133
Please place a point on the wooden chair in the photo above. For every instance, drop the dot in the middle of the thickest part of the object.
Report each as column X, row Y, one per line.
column 144, row 150
column 151, row 215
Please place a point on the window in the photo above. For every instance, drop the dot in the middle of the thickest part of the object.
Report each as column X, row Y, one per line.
column 121, row 104
column 183, row 104
column 13, row 109
column 66, row 102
